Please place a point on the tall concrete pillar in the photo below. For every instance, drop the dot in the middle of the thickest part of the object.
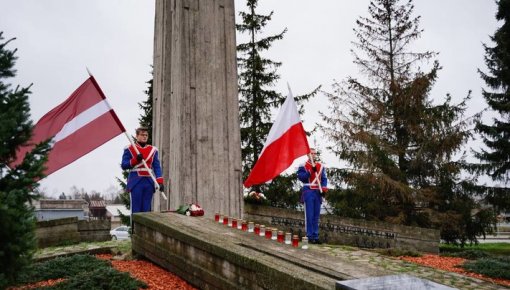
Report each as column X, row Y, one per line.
column 196, row 108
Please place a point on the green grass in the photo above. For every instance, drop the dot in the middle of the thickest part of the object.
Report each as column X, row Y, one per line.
column 470, row 254
column 493, row 249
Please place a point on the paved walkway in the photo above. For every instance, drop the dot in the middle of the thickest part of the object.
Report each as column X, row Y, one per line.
column 402, row 267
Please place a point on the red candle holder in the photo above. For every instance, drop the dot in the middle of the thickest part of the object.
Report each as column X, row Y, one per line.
column 269, row 233
column 234, row 223
column 280, row 237
column 295, row 241
column 257, row 229
column 244, row 226
column 216, row 217
column 225, row 220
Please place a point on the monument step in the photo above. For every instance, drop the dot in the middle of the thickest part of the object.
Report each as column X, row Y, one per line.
column 210, row 255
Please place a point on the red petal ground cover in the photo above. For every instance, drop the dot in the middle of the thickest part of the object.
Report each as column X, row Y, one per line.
column 451, row 264
column 155, row 277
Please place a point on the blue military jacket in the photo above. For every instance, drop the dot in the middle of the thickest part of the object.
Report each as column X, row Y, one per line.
column 137, row 170
column 307, row 175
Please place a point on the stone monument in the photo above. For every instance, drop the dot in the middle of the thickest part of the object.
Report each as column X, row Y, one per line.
column 196, row 119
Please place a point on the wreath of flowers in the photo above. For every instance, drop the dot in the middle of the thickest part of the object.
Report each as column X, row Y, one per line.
column 255, row 198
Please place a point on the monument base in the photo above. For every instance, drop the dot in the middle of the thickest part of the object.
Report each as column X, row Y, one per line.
column 210, row 255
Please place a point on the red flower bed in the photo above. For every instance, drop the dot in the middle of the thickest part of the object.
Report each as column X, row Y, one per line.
column 154, row 276
column 451, row 264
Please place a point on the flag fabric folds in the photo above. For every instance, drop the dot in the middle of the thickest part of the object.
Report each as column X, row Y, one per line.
column 79, row 125
column 286, row 142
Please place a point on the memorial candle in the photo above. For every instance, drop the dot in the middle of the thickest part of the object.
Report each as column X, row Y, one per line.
column 280, row 237
column 295, row 241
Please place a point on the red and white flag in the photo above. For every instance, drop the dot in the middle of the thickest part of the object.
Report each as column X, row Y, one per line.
column 285, row 143
column 79, row 125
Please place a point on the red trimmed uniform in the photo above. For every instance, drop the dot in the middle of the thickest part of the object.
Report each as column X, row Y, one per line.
column 139, row 182
column 311, row 196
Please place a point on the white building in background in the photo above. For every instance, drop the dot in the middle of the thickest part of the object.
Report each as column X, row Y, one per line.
column 112, row 213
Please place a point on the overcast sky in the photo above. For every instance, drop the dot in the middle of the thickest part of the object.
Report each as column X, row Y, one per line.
column 57, row 39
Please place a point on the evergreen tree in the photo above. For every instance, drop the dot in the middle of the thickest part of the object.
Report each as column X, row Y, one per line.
column 17, row 220
column 257, row 76
column 400, row 144
column 146, row 106
column 496, row 136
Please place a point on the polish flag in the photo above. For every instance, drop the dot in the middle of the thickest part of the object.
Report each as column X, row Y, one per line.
column 79, row 125
column 285, row 143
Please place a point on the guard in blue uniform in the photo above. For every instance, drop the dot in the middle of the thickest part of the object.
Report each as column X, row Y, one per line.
column 311, row 194
column 139, row 181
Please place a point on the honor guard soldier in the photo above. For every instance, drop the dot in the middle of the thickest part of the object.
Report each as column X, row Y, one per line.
column 140, row 183
column 315, row 182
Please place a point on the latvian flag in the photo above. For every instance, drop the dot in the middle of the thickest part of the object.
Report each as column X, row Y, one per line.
column 79, row 125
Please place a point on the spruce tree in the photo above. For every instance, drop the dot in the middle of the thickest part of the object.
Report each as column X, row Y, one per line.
column 257, row 76
column 146, row 106
column 400, row 144
column 496, row 136
column 17, row 184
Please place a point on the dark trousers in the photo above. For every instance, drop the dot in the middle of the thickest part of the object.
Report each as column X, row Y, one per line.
column 313, row 201
column 141, row 195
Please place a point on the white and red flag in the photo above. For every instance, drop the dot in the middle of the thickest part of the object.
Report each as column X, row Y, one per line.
column 285, row 143
column 79, row 125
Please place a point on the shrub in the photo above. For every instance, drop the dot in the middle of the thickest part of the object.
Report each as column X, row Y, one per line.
column 395, row 252
column 492, row 267
column 81, row 272
column 284, row 191
column 467, row 254
column 101, row 278
column 61, row 267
